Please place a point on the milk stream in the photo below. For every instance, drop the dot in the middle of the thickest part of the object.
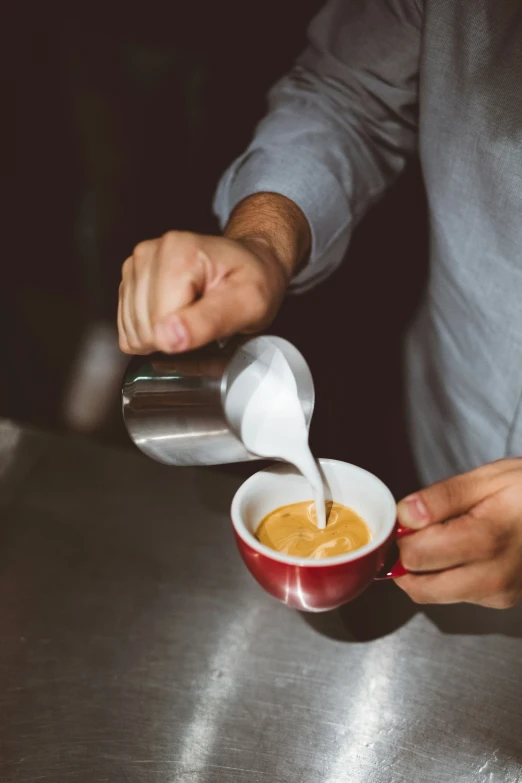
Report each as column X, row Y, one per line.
column 273, row 423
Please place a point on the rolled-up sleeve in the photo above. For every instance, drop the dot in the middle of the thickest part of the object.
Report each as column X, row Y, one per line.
column 340, row 126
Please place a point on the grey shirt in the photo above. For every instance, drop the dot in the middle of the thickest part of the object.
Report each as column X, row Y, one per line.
column 382, row 80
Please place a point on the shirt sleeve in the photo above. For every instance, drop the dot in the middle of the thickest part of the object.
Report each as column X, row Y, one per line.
column 339, row 126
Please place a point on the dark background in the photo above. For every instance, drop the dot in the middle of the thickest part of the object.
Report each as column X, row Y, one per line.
column 124, row 120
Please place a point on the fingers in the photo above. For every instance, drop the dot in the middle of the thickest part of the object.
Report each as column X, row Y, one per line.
column 183, row 291
column 178, row 276
column 449, row 587
column 177, row 281
column 467, row 539
column 229, row 309
column 472, row 557
column 160, row 277
column 139, row 297
column 129, row 329
column 477, row 583
column 448, row 499
column 124, row 344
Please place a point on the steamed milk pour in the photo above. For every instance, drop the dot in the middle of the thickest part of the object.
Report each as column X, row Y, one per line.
column 243, row 400
column 272, row 422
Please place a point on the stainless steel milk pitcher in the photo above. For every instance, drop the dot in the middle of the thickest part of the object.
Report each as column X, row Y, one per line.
column 175, row 407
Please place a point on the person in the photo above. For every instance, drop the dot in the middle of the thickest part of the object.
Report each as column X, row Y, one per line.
column 380, row 81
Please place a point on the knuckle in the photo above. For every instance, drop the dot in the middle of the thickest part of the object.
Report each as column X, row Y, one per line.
column 440, row 499
column 498, row 538
column 176, row 249
column 173, row 239
column 498, row 585
column 452, row 493
column 494, row 534
column 487, row 545
column 417, row 595
column 124, row 345
column 509, row 600
column 168, row 240
column 411, row 556
column 126, row 267
column 412, row 588
column 141, row 250
column 506, row 600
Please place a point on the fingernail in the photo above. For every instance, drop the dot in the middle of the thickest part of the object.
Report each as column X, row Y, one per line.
column 412, row 512
column 172, row 335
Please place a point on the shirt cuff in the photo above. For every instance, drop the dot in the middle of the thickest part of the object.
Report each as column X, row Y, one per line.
column 309, row 185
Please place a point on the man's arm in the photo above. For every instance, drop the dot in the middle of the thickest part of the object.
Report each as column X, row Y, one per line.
column 340, row 126
column 338, row 131
column 183, row 290
column 276, row 222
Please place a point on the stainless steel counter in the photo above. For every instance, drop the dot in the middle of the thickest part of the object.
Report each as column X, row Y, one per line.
column 136, row 647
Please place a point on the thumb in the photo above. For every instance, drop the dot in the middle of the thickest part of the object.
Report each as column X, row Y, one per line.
column 228, row 309
column 444, row 500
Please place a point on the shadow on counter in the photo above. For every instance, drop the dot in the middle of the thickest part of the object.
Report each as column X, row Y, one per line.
column 383, row 608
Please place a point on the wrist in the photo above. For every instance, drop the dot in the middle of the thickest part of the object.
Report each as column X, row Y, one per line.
column 273, row 225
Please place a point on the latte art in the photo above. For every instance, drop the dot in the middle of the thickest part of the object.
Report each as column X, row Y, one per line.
column 292, row 530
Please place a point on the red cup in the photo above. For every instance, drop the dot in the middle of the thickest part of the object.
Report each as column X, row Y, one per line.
column 317, row 585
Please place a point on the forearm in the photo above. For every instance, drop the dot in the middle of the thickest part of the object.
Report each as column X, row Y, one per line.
column 272, row 221
column 340, row 125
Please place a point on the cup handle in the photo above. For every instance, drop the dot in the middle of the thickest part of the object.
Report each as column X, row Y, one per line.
column 397, row 569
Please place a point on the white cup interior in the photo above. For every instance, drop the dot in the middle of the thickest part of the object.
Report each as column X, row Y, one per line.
column 281, row 484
